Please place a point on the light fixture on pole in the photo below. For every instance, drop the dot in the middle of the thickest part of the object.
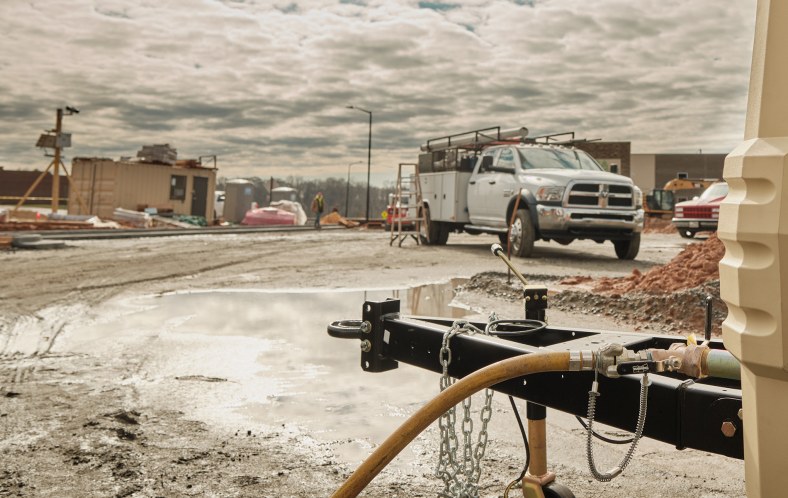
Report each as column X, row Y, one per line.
column 369, row 153
column 347, row 192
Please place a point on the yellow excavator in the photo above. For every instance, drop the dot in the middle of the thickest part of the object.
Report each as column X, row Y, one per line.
column 659, row 203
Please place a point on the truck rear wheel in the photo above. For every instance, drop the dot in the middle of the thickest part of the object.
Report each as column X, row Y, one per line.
column 433, row 233
column 627, row 249
column 522, row 234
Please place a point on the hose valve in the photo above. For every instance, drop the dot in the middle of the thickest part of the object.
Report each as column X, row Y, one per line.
column 613, row 361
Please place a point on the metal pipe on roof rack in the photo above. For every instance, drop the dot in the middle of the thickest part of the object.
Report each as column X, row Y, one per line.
column 477, row 139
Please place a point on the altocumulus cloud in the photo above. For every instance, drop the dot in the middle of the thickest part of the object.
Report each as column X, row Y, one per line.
column 264, row 84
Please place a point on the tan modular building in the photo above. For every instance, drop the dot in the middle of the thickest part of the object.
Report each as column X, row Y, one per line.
column 650, row 171
column 104, row 184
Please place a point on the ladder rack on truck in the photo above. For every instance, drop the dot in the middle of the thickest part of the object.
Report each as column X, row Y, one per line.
column 458, row 152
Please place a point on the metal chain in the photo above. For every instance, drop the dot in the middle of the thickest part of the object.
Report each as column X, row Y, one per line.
column 461, row 478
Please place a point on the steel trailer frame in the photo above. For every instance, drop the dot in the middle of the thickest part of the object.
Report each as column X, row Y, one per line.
column 683, row 412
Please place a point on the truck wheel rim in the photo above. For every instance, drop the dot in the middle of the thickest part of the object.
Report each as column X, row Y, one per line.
column 516, row 234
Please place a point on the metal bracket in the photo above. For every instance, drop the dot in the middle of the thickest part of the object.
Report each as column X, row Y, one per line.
column 373, row 353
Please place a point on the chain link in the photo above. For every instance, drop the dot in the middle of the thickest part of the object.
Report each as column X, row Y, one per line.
column 461, row 478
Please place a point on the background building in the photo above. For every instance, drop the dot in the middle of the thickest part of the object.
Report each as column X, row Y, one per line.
column 650, row 171
column 14, row 184
column 104, row 184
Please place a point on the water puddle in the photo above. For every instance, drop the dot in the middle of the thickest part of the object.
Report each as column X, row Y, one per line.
column 262, row 362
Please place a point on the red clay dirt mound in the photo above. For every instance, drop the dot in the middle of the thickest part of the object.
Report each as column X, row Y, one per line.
column 658, row 225
column 669, row 296
column 668, row 299
column 692, row 267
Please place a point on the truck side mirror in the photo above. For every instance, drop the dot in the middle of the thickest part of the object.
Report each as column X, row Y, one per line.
column 486, row 163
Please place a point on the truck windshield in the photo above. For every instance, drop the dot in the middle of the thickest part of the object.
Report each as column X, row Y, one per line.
column 557, row 159
column 715, row 191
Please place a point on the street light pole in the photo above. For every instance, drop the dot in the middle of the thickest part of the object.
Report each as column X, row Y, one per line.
column 369, row 152
column 347, row 192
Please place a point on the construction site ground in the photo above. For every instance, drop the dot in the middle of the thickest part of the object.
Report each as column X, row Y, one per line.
column 139, row 410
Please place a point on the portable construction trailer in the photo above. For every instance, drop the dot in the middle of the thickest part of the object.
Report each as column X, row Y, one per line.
column 101, row 185
column 239, row 195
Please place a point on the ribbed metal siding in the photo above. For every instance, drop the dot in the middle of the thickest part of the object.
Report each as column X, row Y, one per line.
column 105, row 184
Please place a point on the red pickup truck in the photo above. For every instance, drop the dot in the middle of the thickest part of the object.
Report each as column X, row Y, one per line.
column 398, row 212
column 701, row 213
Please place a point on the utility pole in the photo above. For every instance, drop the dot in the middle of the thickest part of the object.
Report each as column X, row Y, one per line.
column 369, row 153
column 347, row 190
column 57, row 140
column 56, row 162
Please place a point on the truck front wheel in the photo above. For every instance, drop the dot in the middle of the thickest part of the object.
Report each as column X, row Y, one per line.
column 627, row 249
column 522, row 234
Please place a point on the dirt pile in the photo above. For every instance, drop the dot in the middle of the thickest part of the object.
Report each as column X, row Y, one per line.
column 694, row 266
column 658, row 225
column 668, row 298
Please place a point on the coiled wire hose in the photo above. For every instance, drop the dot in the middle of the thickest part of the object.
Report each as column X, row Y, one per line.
column 615, row 471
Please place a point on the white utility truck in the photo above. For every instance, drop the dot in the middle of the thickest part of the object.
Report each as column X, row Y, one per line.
column 525, row 189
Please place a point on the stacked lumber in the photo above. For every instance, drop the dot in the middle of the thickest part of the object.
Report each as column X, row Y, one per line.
column 158, row 153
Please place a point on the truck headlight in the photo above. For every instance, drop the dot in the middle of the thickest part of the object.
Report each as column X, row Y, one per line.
column 637, row 194
column 550, row 194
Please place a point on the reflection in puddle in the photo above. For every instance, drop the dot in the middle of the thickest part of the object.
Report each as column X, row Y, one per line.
column 283, row 372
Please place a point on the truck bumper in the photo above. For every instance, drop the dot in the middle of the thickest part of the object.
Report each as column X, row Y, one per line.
column 695, row 224
column 579, row 222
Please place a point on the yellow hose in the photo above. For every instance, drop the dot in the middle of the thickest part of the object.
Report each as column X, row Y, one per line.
column 430, row 412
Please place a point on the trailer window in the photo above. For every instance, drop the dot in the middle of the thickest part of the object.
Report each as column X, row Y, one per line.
column 557, row 159
column 177, row 187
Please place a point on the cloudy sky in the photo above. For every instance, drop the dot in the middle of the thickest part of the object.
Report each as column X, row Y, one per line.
column 264, row 85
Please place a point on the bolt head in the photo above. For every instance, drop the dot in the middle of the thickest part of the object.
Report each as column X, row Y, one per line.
column 728, row 428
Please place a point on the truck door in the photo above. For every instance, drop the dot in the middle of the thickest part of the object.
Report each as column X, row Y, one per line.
column 504, row 188
column 496, row 188
column 478, row 187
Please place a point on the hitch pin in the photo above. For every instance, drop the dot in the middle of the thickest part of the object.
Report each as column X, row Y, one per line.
column 497, row 250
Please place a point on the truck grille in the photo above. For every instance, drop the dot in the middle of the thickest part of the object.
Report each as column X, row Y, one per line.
column 600, row 195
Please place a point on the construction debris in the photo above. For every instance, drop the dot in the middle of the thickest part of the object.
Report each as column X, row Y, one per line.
column 163, row 221
column 334, row 218
column 133, row 218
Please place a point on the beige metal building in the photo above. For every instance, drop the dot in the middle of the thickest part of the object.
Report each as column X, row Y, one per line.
column 104, row 184
column 650, row 171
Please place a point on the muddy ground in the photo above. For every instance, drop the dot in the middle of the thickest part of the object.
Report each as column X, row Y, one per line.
column 106, row 416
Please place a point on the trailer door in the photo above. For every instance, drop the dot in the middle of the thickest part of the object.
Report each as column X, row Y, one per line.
column 200, row 197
